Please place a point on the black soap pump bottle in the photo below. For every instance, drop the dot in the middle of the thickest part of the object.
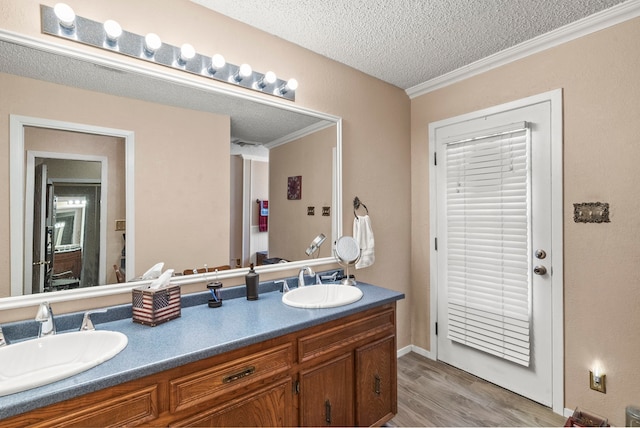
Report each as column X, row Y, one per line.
column 252, row 279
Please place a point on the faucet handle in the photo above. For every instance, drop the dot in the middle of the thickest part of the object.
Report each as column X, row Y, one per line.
column 44, row 312
column 45, row 317
column 285, row 286
column 87, row 325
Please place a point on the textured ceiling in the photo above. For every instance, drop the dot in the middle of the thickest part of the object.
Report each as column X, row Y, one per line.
column 407, row 42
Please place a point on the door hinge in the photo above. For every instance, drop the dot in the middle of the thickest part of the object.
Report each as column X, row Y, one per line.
column 435, row 158
column 436, row 244
column 436, row 329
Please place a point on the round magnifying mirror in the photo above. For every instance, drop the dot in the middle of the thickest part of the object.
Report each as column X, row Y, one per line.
column 347, row 252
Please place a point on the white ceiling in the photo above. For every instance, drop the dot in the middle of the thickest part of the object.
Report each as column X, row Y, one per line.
column 407, row 42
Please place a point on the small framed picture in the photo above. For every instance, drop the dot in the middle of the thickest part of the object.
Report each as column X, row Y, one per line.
column 294, row 188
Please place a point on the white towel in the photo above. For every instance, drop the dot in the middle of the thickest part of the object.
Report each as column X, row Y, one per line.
column 363, row 234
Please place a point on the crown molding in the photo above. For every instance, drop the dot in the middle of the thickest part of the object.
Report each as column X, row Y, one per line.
column 298, row 134
column 596, row 22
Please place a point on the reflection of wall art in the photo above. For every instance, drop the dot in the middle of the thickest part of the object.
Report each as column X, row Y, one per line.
column 294, row 188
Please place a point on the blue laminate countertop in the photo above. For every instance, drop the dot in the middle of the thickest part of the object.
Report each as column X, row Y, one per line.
column 199, row 333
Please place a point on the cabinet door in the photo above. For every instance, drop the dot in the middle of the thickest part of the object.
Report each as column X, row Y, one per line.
column 269, row 406
column 376, row 386
column 326, row 393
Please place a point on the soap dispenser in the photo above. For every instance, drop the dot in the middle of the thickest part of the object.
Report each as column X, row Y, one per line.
column 252, row 279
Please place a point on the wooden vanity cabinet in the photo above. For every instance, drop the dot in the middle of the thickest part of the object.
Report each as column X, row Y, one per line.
column 376, row 380
column 340, row 373
column 326, row 393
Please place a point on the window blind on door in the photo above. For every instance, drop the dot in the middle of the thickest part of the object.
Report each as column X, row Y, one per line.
column 487, row 243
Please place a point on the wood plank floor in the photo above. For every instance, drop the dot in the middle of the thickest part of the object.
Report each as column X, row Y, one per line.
column 431, row 393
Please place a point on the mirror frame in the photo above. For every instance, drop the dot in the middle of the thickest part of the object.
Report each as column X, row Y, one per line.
column 17, row 195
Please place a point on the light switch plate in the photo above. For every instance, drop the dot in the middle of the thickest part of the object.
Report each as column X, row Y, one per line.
column 591, row 212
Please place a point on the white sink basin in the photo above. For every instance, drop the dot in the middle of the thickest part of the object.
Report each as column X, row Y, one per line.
column 37, row 362
column 322, row 296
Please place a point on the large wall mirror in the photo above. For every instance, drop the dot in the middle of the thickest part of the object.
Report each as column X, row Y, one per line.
column 115, row 167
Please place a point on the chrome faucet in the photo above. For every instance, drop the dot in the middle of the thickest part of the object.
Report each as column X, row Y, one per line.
column 301, row 275
column 285, row 286
column 3, row 341
column 87, row 324
column 46, row 320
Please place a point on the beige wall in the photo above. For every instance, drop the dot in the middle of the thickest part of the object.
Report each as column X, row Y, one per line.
column 291, row 229
column 601, row 92
column 375, row 127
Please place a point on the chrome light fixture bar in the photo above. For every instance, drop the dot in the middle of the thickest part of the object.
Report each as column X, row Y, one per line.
column 61, row 21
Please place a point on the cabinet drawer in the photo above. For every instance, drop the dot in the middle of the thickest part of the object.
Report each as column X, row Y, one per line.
column 188, row 391
column 126, row 410
column 269, row 406
column 325, row 341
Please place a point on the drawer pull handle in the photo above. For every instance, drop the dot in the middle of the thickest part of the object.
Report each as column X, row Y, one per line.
column 246, row 372
column 327, row 411
column 376, row 388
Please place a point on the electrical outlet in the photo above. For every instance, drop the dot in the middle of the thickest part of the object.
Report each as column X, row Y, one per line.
column 597, row 383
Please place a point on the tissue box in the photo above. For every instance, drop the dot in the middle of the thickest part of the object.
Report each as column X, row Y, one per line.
column 153, row 307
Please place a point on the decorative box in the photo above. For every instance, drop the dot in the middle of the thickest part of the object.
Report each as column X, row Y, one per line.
column 580, row 418
column 153, row 307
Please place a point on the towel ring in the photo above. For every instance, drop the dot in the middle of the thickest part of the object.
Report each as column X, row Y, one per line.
column 357, row 204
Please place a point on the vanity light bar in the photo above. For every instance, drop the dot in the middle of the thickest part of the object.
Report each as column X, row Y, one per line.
column 111, row 37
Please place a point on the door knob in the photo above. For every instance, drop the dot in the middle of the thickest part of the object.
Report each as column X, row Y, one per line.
column 539, row 270
column 541, row 254
column 41, row 262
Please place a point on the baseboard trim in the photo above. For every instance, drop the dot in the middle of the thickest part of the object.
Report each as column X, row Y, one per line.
column 413, row 348
column 404, row 351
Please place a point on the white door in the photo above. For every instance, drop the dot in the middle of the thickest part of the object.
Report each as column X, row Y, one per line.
column 495, row 246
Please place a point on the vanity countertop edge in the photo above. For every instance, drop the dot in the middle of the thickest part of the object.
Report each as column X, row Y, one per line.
column 199, row 333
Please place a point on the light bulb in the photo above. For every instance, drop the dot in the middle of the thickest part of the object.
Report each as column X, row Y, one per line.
column 217, row 62
column 268, row 79
column 244, row 71
column 291, row 85
column 113, row 30
column 187, row 52
column 152, row 43
column 65, row 15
